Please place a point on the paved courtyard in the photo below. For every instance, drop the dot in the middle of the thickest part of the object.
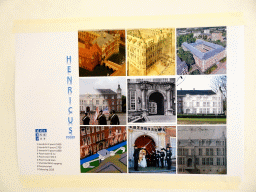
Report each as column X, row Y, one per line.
column 160, row 68
column 161, row 119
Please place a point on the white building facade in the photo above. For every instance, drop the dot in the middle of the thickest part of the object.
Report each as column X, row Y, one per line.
column 200, row 102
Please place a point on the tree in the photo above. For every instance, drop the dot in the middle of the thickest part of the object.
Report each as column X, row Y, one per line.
column 219, row 83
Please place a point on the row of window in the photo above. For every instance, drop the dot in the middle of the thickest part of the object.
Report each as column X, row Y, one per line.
column 203, row 110
column 84, row 102
column 201, row 151
column 202, row 104
column 82, row 108
column 89, row 130
column 91, row 139
column 202, row 161
column 214, row 98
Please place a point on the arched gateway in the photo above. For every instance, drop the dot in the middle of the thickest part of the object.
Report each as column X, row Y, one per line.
column 156, row 104
column 147, row 142
column 148, row 97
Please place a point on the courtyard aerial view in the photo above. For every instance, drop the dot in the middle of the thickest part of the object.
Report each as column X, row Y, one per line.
column 201, row 51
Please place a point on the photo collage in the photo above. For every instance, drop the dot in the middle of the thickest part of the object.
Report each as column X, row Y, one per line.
column 153, row 100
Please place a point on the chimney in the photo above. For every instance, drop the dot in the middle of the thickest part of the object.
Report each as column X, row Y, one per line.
column 180, row 88
column 193, row 89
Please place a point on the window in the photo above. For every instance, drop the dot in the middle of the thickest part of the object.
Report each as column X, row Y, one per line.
column 207, row 151
column 83, row 131
column 88, row 130
column 93, row 139
column 218, row 151
column 208, row 110
column 113, row 97
column 197, row 161
column 208, row 104
column 185, row 152
column 214, row 104
column 204, row 104
column 113, row 103
column 203, row 161
column 218, row 161
column 180, row 152
column 211, row 161
column 173, row 145
column 197, row 104
column 181, row 161
column 132, row 101
column 207, row 161
column 89, row 140
column 200, row 151
column 84, row 141
column 98, row 137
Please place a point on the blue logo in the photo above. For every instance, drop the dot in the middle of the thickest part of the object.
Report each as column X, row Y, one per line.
column 41, row 134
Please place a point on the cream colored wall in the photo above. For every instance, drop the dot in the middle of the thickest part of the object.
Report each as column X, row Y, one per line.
column 12, row 10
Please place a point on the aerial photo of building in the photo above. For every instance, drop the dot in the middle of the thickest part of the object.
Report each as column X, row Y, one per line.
column 151, row 100
column 102, row 94
column 152, row 142
column 203, row 50
column 101, row 53
column 103, row 149
column 205, row 53
column 202, row 150
column 151, row 52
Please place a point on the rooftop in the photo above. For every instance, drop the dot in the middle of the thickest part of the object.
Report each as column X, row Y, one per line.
column 103, row 38
column 203, row 132
column 195, row 92
column 215, row 49
column 180, row 66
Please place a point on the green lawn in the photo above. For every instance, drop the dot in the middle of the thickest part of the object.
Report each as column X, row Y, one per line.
column 84, row 170
column 201, row 120
column 96, row 163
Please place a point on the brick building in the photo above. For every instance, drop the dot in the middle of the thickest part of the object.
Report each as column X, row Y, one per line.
column 202, row 150
column 96, row 138
column 96, row 46
column 217, row 36
column 206, row 54
column 101, row 98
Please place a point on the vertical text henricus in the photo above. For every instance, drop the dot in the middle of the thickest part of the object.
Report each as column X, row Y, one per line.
column 70, row 108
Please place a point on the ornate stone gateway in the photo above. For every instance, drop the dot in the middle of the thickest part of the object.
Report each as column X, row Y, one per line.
column 151, row 97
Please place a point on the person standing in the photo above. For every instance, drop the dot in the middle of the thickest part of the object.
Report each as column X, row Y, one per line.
column 114, row 120
column 101, row 118
column 136, row 155
column 86, row 119
column 162, row 155
column 154, row 159
column 169, row 158
column 157, row 158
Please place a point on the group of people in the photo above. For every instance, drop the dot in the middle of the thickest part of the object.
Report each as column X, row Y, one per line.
column 102, row 120
column 158, row 158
